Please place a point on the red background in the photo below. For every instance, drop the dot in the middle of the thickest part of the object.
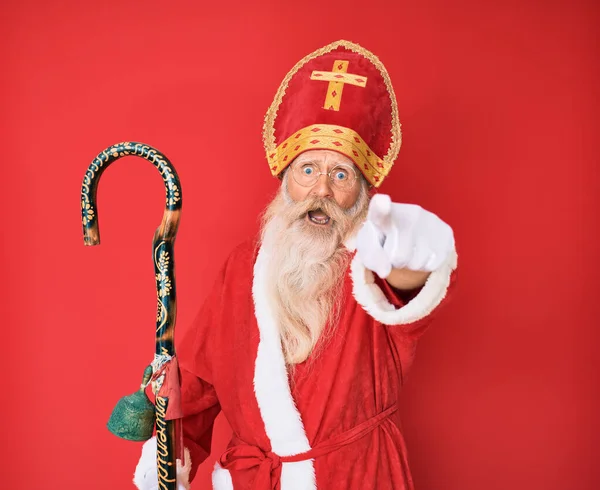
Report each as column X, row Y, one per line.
column 498, row 101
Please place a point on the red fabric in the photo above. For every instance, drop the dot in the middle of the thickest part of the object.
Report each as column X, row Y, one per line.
column 171, row 389
column 245, row 456
column 303, row 102
column 397, row 297
column 357, row 374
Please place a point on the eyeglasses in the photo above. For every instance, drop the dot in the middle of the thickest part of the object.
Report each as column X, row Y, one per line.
column 307, row 174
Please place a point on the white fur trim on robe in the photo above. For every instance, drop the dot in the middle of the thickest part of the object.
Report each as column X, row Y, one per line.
column 372, row 299
column 145, row 476
column 221, row 478
column 283, row 423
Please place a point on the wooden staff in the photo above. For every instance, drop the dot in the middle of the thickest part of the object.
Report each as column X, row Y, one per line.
column 164, row 266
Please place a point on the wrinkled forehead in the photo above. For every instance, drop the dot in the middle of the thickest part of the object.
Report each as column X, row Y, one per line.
column 323, row 158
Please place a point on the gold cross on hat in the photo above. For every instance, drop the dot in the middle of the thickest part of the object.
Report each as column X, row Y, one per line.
column 337, row 77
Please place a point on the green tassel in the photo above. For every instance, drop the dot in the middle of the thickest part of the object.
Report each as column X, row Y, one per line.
column 133, row 417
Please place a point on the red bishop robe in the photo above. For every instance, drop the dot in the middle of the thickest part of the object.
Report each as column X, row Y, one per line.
column 335, row 423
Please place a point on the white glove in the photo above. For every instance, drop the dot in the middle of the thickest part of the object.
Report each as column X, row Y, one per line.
column 146, row 478
column 402, row 236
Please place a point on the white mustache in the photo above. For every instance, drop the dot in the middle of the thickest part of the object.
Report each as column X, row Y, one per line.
column 296, row 210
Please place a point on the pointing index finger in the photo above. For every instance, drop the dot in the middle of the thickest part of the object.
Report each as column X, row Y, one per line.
column 380, row 209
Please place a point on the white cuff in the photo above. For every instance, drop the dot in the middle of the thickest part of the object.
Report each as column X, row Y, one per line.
column 374, row 302
column 221, row 478
column 145, row 476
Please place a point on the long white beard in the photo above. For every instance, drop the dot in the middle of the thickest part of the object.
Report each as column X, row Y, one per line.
column 306, row 267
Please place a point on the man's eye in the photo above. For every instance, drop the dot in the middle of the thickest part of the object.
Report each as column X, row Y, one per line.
column 341, row 175
column 307, row 170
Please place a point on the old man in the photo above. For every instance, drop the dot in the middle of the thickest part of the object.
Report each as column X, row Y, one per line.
column 310, row 329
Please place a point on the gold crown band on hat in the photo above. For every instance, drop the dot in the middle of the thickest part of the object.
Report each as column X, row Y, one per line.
column 330, row 137
column 373, row 167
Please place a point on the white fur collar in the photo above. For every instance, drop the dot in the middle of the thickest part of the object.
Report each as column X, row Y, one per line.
column 283, row 423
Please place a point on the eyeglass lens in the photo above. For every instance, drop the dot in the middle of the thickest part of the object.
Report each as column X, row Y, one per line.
column 307, row 174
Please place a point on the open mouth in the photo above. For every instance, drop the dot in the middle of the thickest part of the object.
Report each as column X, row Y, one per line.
column 318, row 217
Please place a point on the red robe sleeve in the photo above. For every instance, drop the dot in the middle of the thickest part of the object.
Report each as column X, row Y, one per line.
column 199, row 402
column 200, row 407
column 401, row 298
column 407, row 312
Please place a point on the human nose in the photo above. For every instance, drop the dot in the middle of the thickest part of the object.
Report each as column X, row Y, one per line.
column 322, row 187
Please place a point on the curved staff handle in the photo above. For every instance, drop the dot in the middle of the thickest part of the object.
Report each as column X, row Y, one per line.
column 164, row 266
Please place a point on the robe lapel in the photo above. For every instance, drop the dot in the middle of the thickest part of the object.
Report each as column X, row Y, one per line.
column 283, row 423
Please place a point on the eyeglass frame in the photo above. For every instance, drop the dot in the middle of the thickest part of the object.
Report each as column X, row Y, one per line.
column 297, row 164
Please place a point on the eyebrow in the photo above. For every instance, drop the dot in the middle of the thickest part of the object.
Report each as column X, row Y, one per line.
column 315, row 162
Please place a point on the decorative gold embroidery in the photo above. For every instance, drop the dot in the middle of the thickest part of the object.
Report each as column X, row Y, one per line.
column 328, row 76
column 269, row 123
column 329, row 137
column 337, row 78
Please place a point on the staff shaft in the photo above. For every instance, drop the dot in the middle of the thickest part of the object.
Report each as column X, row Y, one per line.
column 164, row 267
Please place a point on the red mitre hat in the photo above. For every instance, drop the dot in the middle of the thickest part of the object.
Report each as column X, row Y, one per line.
column 338, row 98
